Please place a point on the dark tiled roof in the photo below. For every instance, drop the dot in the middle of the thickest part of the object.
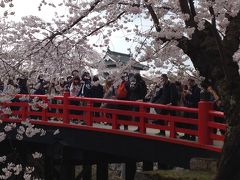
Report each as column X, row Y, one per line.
column 121, row 58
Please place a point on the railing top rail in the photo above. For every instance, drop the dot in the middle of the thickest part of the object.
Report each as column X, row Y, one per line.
column 142, row 114
column 216, row 113
column 136, row 103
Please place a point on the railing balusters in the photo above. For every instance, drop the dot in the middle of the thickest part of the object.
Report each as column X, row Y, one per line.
column 65, row 108
column 172, row 127
column 25, row 111
column 44, row 110
column 142, row 120
column 89, row 113
column 114, row 121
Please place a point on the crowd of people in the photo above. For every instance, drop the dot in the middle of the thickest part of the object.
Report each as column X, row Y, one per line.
column 131, row 87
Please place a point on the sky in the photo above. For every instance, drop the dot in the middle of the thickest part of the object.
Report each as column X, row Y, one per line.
column 30, row 7
column 117, row 41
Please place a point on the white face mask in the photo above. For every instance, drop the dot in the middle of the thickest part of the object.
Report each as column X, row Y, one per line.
column 95, row 83
column 133, row 84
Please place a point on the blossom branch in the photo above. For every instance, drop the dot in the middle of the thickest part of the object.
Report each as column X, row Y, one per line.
column 76, row 21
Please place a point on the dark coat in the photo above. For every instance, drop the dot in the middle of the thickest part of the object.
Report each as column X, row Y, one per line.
column 85, row 90
column 97, row 91
column 193, row 98
column 167, row 94
column 136, row 91
column 40, row 90
column 22, row 85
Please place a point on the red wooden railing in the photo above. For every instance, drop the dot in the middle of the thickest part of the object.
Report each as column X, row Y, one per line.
column 84, row 110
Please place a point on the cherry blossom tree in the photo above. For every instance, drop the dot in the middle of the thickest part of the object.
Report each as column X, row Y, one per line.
column 23, row 48
column 207, row 32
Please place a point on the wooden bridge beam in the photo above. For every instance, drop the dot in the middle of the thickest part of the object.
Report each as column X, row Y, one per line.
column 102, row 171
column 87, row 172
column 67, row 170
column 130, row 170
column 147, row 166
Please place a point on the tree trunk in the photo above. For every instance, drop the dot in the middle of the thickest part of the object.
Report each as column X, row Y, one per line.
column 229, row 163
column 213, row 58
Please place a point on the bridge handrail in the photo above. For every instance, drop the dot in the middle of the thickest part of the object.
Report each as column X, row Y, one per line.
column 204, row 121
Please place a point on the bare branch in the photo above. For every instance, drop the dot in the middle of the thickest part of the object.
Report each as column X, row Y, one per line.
column 154, row 16
column 76, row 21
column 186, row 10
column 192, row 7
column 211, row 10
column 11, row 66
column 100, row 27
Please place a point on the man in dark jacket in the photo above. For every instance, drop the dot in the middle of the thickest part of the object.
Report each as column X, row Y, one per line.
column 192, row 97
column 22, row 85
column 97, row 92
column 40, row 86
column 167, row 95
column 97, row 88
column 138, row 88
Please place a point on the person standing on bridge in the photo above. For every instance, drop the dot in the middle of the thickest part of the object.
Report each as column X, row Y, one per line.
column 210, row 94
column 74, row 90
column 85, row 89
column 122, row 93
column 40, row 86
column 75, row 86
column 137, row 92
column 138, row 88
column 192, row 97
column 166, row 95
column 97, row 92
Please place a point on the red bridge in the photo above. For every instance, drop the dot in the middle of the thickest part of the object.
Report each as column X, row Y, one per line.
column 93, row 135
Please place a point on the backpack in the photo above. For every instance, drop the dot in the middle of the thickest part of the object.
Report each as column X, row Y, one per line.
column 121, row 91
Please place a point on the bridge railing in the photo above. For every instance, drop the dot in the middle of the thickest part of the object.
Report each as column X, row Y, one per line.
column 91, row 113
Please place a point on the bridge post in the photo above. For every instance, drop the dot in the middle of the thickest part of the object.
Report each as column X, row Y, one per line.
column 130, row 170
column 142, row 120
column 25, row 111
column 102, row 171
column 114, row 121
column 44, row 111
column 172, row 127
column 203, row 117
column 89, row 113
column 67, row 170
column 147, row 166
column 87, row 172
column 65, row 107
